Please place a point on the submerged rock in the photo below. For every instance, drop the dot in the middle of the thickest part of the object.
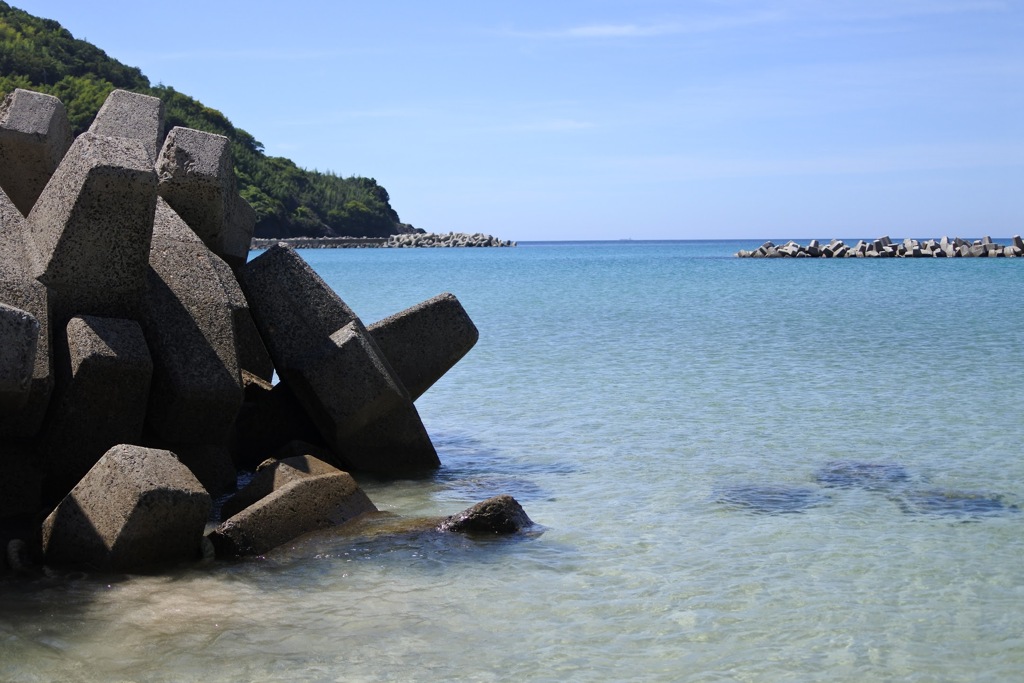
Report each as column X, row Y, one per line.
column 499, row 515
column 866, row 475
column 770, row 498
column 958, row 504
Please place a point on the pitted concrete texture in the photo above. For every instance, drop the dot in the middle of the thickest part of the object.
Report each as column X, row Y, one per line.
column 21, row 291
column 90, row 230
column 294, row 309
column 395, row 444
column 252, row 352
column 344, row 384
column 127, row 114
column 274, row 474
column 238, row 232
column 197, row 178
column 34, row 136
column 19, row 337
column 188, row 324
column 339, row 376
column 425, row 341
column 135, row 508
column 306, row 495
column 101, row 396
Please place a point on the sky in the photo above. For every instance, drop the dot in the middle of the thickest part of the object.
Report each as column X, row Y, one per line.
column 616, row 119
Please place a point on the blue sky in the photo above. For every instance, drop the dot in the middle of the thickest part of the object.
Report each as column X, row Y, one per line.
column 609, row 119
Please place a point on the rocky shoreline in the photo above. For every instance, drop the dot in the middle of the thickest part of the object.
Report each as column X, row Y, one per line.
column 884, row 247
column 138, row 344
column 402, row 241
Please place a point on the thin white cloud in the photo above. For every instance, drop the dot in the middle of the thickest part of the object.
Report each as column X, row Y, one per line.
column 637, row 30
column 794, row 11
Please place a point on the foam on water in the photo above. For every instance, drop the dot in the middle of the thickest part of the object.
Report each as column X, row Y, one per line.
column 644, row 402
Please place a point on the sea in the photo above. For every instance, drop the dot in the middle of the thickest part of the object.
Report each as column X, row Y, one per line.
column 739, row 470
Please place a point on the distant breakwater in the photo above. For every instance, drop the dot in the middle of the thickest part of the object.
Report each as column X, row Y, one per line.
column 408, row 240
column 883, row 247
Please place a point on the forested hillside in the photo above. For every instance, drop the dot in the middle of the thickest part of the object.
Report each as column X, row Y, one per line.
column 39, row 54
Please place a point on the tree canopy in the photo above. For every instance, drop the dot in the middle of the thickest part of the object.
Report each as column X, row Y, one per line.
column 39, row 54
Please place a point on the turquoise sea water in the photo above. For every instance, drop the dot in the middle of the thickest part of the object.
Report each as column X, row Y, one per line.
column 745, row 470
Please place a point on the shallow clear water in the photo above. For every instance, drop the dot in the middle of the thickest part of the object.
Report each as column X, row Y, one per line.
column 746, row 470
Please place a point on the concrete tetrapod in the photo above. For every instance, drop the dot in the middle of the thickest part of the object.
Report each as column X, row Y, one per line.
column 21, row 291
column 424, row 342
column 333, row 367
column 131, row 115
column 286, row 499
column 135, row 508
column 197, row 178
column 189, row 325
column 34, row 135
column 19, row 337
column 100, row 398
column 91, row 228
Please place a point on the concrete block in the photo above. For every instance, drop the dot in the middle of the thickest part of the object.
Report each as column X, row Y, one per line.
column 238, row 232
column 19, row 339
column 252, row 352
column 332, row 365
column 34, row 136
column 294, row 309
column 271, row 475
column 19, row 290
column 306, row 495
column 395, row 444
column 127, row 114
column 90, row 229
column 100, row 399
column 344, row 384
column 137, row 507
column 197, row 179
column 425, row 341
column 188, row 324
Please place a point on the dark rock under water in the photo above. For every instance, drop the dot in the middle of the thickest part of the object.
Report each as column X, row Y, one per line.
column 770, row 499
column 958, row 504
column 858, row 474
